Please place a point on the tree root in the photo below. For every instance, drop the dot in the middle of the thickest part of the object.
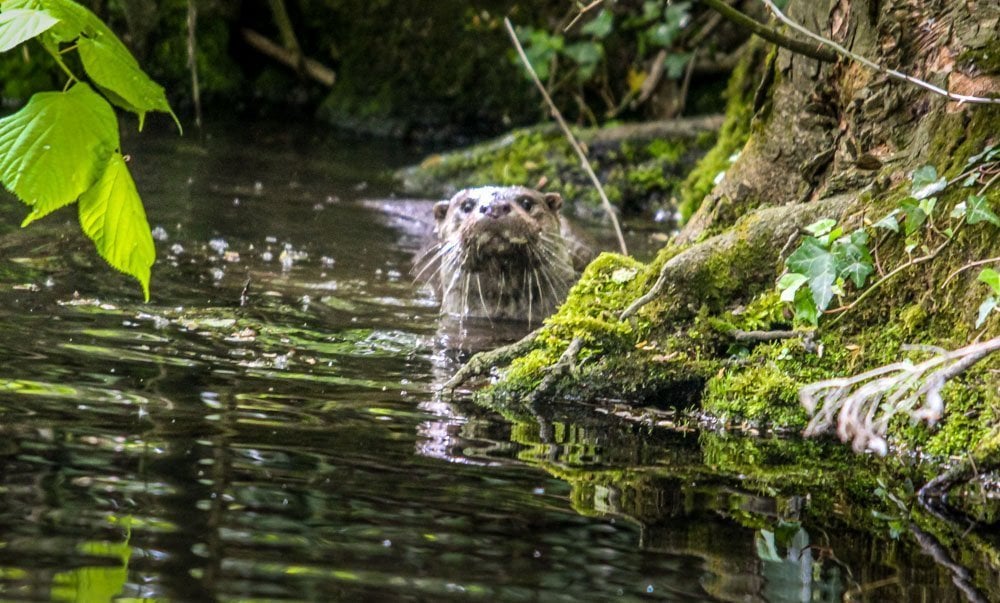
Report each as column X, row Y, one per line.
column 566, row 364
column 765, row 230
column 864, row 404
column 481, row 363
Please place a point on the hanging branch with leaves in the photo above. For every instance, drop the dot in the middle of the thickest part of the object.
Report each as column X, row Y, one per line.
column 64, row 147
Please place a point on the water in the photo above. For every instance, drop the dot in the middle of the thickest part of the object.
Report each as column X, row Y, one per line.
column 265, row 428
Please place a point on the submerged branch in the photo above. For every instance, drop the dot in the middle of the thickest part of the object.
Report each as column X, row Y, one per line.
column 483, row 362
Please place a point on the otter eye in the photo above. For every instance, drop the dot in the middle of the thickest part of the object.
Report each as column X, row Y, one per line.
column 468, row 205
column 526, row 202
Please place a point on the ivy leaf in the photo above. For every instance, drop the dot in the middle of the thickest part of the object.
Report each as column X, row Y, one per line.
column 585, row 54
column 818, row 229
column 926, row 182
column 854, row 261
column 675, row 63
column 813, row 260
column 991, row 278
column 958, row 211
column 989, row 304
column 889, row 222
column 978, row 210
column 987, row 154
column 20, row 25
column 789, row 283
column 915, row 216
column 601, row 25
column 111, row 214
column 56, row 147
column 805, row 308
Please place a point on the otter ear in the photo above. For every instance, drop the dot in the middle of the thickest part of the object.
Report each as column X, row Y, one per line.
column 553, row 200
column 441, row 210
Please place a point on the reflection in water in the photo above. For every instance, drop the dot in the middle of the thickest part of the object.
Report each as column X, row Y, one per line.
column 266, row 428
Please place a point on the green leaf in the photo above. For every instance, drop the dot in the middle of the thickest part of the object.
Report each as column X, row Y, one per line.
column 111, row 214
column 817, row 263
column 789, row 283
column 805, row 308
column 915, row 216
column 601, row 25
column 989, row 304
column 20, row 25
column 114, row 69
column 991, row 278
column 978, row 210
column 818, row 229
column 73, row 18
column 675, row 63
column 56, row 147
column 585, row 54
column 854, row 261
column 987, row 154
column 927, row 205
column 926, row 182
column 889, row 222
column 958, row 211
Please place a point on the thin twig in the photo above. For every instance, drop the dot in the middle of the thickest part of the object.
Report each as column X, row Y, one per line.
column 764, row 336
column 583, row 11
column 768, row 33
column 569, row 136
column 192, row 52
column 874, row 286
column 966, row 267
column 959, row 98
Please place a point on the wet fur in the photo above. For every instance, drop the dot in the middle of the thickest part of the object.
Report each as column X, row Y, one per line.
column 501, row 253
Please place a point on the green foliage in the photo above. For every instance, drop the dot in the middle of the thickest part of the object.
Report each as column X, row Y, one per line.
column 656, row 26
column 64, row 146
column 992, row 279
column 823, row 262
column 20, row 25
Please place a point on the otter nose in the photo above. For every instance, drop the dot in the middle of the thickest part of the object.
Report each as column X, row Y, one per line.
column 495, row 209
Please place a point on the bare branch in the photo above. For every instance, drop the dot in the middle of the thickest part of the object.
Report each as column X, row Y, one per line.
column 770, row 34
column 605, row 202
column 583, row 11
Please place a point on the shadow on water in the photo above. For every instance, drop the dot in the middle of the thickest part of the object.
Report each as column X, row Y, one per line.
column 265, row 428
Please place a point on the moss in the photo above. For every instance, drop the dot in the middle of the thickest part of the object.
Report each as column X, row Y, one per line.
column 590, row 313
column 985, row 59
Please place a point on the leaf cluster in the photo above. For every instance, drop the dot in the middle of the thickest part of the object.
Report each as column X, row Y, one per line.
column 822, row 266
column 63, row 146
column 827, row 260
column 576, row 58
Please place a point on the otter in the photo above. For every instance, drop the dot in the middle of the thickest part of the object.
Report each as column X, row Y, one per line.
column 502, row 253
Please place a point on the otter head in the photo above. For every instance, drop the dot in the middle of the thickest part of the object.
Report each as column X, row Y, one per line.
column 497, row 223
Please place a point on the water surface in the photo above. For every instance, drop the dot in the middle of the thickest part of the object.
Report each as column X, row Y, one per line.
column 266, row 429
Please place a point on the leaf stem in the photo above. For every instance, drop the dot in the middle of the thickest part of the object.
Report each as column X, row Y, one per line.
column 57, row 56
